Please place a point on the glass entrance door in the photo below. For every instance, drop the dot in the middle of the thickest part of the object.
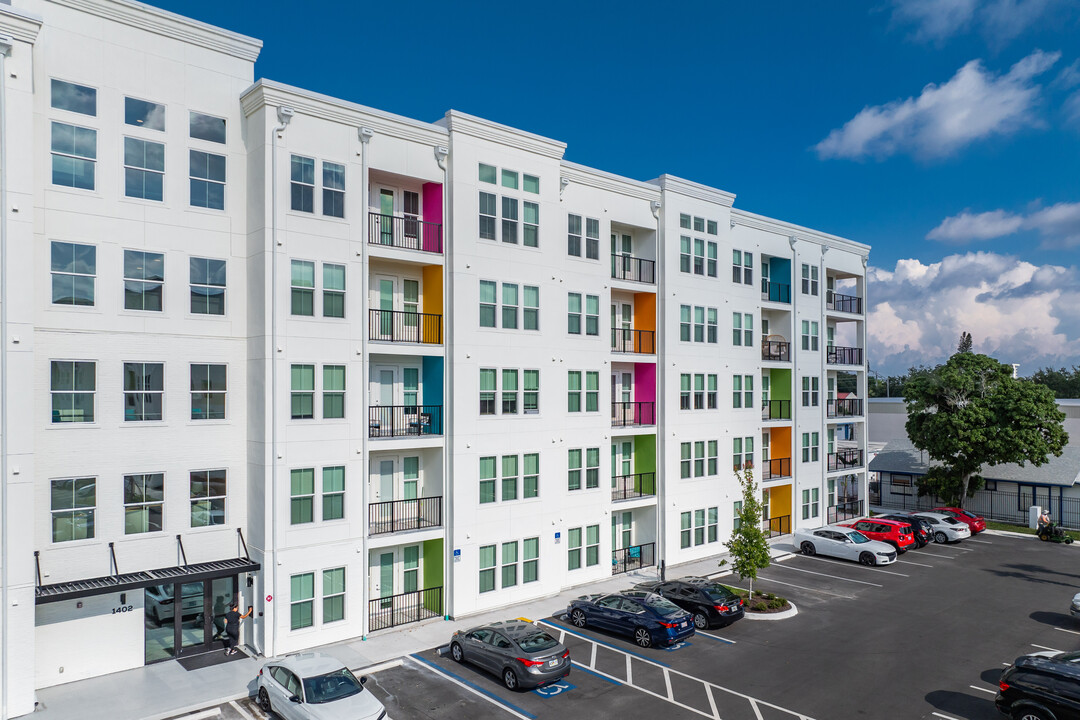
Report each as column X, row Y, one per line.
column 185, row 619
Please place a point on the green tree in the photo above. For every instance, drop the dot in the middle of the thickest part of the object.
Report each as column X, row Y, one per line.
column 748, row 544
column 970, row 413
column 965, row 343
column 1064, row 383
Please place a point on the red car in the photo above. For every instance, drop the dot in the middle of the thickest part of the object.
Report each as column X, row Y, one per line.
column 975, row 523
column 894, row 532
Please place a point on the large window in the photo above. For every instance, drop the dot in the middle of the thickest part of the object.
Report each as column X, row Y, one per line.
column 742, row 267
column 144, row 169
column 742, row 391
column 684, row 254
column 144, row 388
column 206, row 127
column 592, row 315
column 302, row 601
column 509, row 219
column 573, row 235
column 530, row 569
column 333, row 392
column 302, row 185
column 333, row 492
column 206, row 177
column 72, row 385
column 573, row 391
column 532, row 308
column 302, row 396
column 531, row 480
column 509, row 392
column 488, row 290
column 531, row 228
column 810, row 503
column 592, row 545
column 334, row 290
column 74, row 267
column 72, row 502
column 509, row 306
column 144, row 280
column 74, row 156
column 207, row 493
column 73, row 98
column 592, row 239
column 809, row 279
column 509, row 564
column 810, row 447
column 592, row 391
column 742, row 329
column 487, row 568
column 333, row 590
column 742, row 455
column 810, row 391
column 144, row 114
column 573, row 313
column 573, row 549
column 488, row 378
column 144, row 499
column 207, row 279
column 301, row 496
column 333, row 194
column 488, row 204
column 487, row 480
column 303, row 288
column 531, row 395
column 209, row 384
column 809, row 335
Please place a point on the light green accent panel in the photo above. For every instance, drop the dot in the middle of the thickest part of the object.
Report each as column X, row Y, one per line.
column 433, row 572
column 780, row 385
column 644, row 453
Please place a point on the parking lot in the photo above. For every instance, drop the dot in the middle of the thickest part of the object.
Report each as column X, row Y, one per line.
column 925, row 637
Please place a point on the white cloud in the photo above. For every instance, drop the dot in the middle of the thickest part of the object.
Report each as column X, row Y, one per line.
column 980, row 226
column 935, row 19
column 974, row 105
column 1072, row 109
column 1059, row 225
column 999, row 21
column 1069, row 77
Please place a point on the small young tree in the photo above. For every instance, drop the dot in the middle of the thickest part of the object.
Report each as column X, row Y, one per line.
column 964, row 346
column 748, row 545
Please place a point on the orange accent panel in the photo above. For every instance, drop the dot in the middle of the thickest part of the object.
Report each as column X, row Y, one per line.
column 779, row 443
column 431, row 300
column 645, row 311
column 780, row 501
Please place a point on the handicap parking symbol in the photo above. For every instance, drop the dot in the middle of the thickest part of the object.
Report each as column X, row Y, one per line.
column 677, row 646
column 554, row 689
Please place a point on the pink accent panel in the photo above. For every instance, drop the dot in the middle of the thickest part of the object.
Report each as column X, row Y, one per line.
column 432, row 204
column 644, row 382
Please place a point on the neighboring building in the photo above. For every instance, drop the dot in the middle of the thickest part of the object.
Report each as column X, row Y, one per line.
column 360, row 370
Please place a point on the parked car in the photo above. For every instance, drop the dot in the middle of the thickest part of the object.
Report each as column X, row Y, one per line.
column 708, row 602
column 897, row 533
column 315, row 686
column 974, row 522
column 1074, row 606
column 1043, row 686
column 520, row 653
column 842, row 542
column 946, row 527
column 923, row 530
column 160, row 604
column 645, row 616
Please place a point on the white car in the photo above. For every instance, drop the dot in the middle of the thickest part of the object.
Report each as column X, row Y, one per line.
column 946, row 527
column 315, row 686
column 1074, row 607
column 842, row 542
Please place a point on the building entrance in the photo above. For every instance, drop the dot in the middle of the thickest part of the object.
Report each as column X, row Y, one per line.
column 184, row 619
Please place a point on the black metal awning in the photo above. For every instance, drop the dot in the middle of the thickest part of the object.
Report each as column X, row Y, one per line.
column 145, row 578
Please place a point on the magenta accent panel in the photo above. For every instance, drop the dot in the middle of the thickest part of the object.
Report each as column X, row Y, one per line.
column 432, row 200
column 644, row 382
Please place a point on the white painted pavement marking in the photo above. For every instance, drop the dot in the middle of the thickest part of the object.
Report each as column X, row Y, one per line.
column 650, row 692
column 911, row 562
column 667, row 682
column 712, row 702
column 592, row 660
column 862, row 568
column 474, row 691
column 781, row 582
column 946, row 717
column 699, row 632
column 1043, row 647
column 1068, row 631
column 629, row 674
column 372, row 669
column 243, row 713
column 204, row 715
column 837, row 577
column 982, row 689
column 984, row 542
column 964, row 549
column 757, row 712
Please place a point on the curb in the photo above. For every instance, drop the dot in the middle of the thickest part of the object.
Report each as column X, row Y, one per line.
column 774, row 616
column 1010, row 533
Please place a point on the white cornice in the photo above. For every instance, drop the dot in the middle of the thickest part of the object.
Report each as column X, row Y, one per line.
column 503, row 134
column 695, row 190
column 169, row 24
column 19, row 24
column 270, row 93
column 592, row 177
column 760, row 222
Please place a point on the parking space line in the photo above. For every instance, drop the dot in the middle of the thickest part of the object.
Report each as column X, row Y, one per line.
column 982, row 689
column 984, row 542
column 629, row 672
column 614, row 647
column 592, row 660
column 475, row 689
column 1043, row 647
column 712, row 702
column 837, row 577
column 595, row 673
column 667, row 682
column 937, row 553
column 862, row 567
column 757, row 712
column 910, row 562
column 204, row 715
column 946, row 717
column 964, row 549
column 1068, row 631
column 801, row 587
column 714, row 637
column 243, row 713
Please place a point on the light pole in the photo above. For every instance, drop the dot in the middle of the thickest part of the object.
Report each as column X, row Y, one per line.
column 876, row 374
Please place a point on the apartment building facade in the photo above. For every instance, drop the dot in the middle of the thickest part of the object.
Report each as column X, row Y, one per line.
column 359, row 370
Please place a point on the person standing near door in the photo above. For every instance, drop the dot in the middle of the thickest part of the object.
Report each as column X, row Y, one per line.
column 232, row 626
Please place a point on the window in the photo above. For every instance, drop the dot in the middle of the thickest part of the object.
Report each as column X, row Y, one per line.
column 206, row 177
column 206, row 127
column 713, row 457
column 530, row 547
column 684, row 254
column 144, row 498
column 487, row 568
column 592, row 473
column 73, row 267
column 144, row 387
column 699, row 527
column 144, row 169
column 685, row 459
column 487, row 174
column 303, row 288
column 487, row 391
column 208, row 388
column 592, row 545
column 333, row 492
column 573, row 235
column 573, row 313
column 207, row 278
column 699, row 224
column 592, row 239
column 487, row 303
column 736, row 391
column 530, row 184
column 684, row 323
column 684, row 221
column 573, row 471
column 509, row 477
column 302, row 496
column 573, row 391
column 510, row 306
column 333, row 193
column 72, row 502
column 531, row 227
column 742, row 267
column 488, row 203
column 334, row 290
column 699, row 256
column 684, row 392
column 509, row 217
column 302, row 184
column 742, row 329
column 810, row 443
column 302, row 601
column 742, row 391
column 72, row 384
column 742, row 453
column 809, row 279
column 809, row 335
column 144, row 280
column 699, row 391
column 207, row 494
column 592, row 392
column 712, row 227
column 73, row 98
column 684, row 530
column 592, row 468
column 711, row 395
column 711, row 270
column 510, row 179
column 302, row 397
column 74, row 156
column 699, row 324
column 810, row 392
column 509, row 564
column 809, row 503
column 531, row 481
column 592, row 315
column 510, row 392
column 487, row 480
column 333, row 589
column 714, row 523
column 333, row 398
column 573, row 549
column 699, row 459
column 712, row 326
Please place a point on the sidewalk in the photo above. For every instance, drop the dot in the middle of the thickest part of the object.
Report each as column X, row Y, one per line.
column 166, row 689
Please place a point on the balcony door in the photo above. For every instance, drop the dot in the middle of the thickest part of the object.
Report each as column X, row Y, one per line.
column 395, row 571
column 622, row 526
column 622, row 320
column 383, row 203
column 621, row 386
column 395, row 478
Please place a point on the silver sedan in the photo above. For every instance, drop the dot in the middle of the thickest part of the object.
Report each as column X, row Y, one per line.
column 845, row 543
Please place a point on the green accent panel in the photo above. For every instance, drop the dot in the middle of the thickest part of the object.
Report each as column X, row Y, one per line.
column 433, row 570
column 780, row 384
column 644, row 453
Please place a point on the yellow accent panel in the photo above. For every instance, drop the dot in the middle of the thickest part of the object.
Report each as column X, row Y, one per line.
column 779, row 443
column 432, row 300
column 780, row 501
column 645, row 311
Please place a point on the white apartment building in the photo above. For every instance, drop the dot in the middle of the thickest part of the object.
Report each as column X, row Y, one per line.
column 359, row 370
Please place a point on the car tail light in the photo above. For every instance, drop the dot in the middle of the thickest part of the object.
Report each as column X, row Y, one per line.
column 566, row 654
column 720, row 608
column 668, row 625
column 740, row 602
column 1003, row 686
column 530, row 663
column 260, row 672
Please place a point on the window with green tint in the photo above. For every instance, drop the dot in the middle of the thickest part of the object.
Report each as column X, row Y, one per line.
column 303, row 288
column 302, row 185
column 333, row 590
column 411, row 565
column 303, row 392
column 510, row 306
column 573, row 470
column 684, row 221
column 592, row 467
column 713, row 453
column 592, row 392
column 684, row 254
column 530, row 183
column 302, row 496
column 487, row 174
column 333, row 391
column 592, row 315
column 487, row 480
column 573, row 391
column 699, row 458
column 333, row 492
column 509, row 564
column 333, row 290
column 573, row 548
column 509, row 220
column 72, row 385
column 72, row 502
column 487, row 303
column 487, row 391
column 531, row 228
column 489, row 203
column 510, row 392
column 510, row 179
column 509, row 477
column 684, row 530
column 487, row 568
column 531, row 480
column 573, row 313
column 532, row 308
column 712, row 227
column 592, row 545
column 684, row 460
column 410, row 467
column 531, row 403
column 333, row 189
column 684, row 323
column 302, row 601
column 530, row 555
column 713, row 524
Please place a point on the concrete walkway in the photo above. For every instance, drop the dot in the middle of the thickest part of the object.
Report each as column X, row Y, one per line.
column 166, row 689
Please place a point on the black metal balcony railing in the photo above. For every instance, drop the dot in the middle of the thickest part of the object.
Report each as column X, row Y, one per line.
column 628, row 414
column 404, row 608
column 777, row 526
column 626, row 340
column 775, row 351
column 837, row 355
column 638, row 485
column 628, row 267
column 401, row 515
column 850, row 407
column 401, row 420
column 408, row 233
column 401, row 326
column 776, row 410
column 844, row 459
column 775, row 292
column 843, row 303
column 776, row 468
column 633, row 558
column 844, row 511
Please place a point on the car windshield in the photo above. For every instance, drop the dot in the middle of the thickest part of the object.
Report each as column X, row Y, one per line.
column 537, row 642
column 971, row 515
column 331, row 686
column 718, row 593
column 1071, row 657
column 662, row 605
column 951, row 521
column 857, row 537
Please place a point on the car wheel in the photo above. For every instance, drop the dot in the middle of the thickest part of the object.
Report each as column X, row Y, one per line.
column 867, row 559
column 642, row 637
column 1030, row 713
column 807, row 548
column 700, row 621
column 578, row 618
column 456, row 653
column 264, row 701
column 510, row 679
column 940, row 537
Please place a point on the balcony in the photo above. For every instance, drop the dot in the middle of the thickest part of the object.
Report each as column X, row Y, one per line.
column 633, row 414
column 777, row 526
column 842, row 511
column 776, row 410
column 844, row 459
column 775, row 350
column 837, row 355
column 775, row 292
column 406, row 233
column 385, row 421
column 843, row 303
column 404, row 327
column 404, row 608
column 776, row 469
column 629, row 487
column 634, row 557
column 634, row 269
column 403, row 515
column 851, row 407
column 625, row 340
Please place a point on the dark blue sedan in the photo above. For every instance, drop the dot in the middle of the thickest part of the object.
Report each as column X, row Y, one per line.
column 645, row 616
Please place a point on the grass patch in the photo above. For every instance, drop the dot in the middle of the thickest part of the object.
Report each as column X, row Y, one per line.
column 1009, row 527
column 762, row 602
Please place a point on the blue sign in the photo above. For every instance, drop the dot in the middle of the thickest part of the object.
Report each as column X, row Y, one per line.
column 457, row 553
column 554, row 689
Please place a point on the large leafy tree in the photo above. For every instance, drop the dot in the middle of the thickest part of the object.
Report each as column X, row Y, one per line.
column 970, row 413
column 748, row 545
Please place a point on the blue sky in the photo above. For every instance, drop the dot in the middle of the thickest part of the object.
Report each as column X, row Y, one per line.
column 819, row 113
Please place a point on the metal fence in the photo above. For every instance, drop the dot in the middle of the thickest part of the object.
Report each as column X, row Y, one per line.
column 775, row 292
column 628, row 267
column 401, row 420
column 407, row 233
column 408, row 607
column 776, row 468
column 633, row 558
column 776, row 351
column 625, row 487
column 845, row 511
column 1005, row 506
column 626, row 340
column 402, row 326
column 629, row 414
column 849, row 407
column 838, row 355
column 843, row 303
column 400, row 515
column 776, row 410
column 777, row 526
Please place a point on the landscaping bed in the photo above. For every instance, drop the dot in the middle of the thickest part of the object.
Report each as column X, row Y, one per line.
column 762, row 602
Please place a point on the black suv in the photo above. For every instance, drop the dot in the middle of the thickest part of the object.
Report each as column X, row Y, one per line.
column 1041, row 687
column 711, row 604
column 924, row 531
